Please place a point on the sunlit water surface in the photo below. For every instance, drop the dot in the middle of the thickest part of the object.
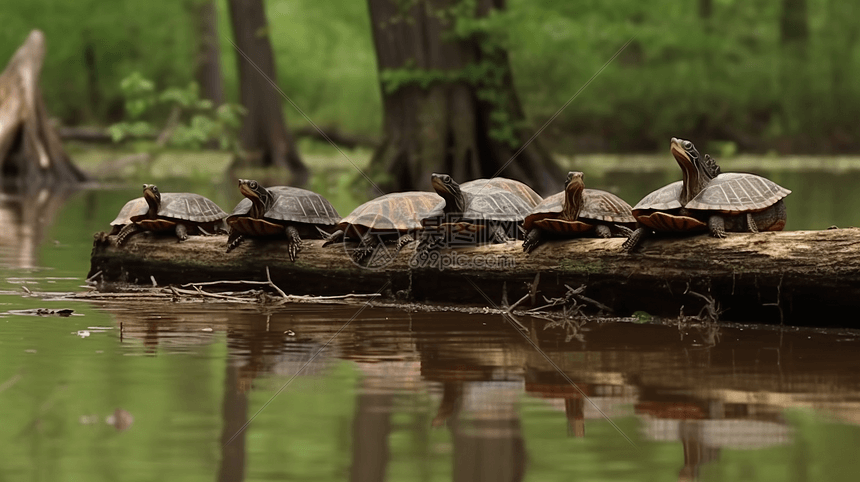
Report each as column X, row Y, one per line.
column 206, row 391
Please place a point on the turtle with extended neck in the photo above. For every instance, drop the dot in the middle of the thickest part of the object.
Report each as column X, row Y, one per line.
column 181, row 212
column 575, row 212
column 477, row 211
column 708, row 200
column 280, row 211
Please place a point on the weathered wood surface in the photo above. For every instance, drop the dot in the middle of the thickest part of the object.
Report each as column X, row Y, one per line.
column 30, row 149
column 800, row 277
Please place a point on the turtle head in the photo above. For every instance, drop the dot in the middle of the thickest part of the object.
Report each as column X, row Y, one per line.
column 260, row 197
column 447, row 187
column 697, row 171
column 153, row 198
column 573, row 188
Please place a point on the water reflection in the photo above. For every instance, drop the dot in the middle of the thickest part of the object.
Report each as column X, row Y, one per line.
column 474, row 379
column 25, row 216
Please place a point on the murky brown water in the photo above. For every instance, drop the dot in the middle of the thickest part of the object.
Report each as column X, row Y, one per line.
column 208, row 391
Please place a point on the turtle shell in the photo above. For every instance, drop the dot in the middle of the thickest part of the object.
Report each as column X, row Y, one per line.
column 738, row 192
column 135, row 207
column 516, row 187
column 598, row 205
column 183, row 206
column 663, row 199
column 493, row 204
column 660, row 211
column 293, row 204
column 399, row 211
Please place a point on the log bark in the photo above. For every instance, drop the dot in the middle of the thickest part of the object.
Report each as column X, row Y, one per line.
column 31, row 153
column 798, row 277
column 451, row 125
column 264, row 130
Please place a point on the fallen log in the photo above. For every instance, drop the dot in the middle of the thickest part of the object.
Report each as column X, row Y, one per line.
column 797, row 277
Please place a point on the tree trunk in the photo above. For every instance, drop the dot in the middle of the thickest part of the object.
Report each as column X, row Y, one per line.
column 468, row 128
column 208, row 61
column 794, row 29
column 264, row 130
column 802, row 277
column 31, row 154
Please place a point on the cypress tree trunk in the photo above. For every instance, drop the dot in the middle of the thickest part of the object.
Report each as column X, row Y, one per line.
column 264, row 130
column 466, row 125
column 31, row 154
column 208, row 61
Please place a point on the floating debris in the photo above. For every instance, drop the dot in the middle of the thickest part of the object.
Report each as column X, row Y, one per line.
column 120, row 419
column 83, row 333
column 43, row 312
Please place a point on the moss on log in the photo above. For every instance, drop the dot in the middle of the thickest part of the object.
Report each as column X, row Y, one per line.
column 798, row 277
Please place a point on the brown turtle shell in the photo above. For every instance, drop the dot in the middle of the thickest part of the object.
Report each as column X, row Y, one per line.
column 135, row 207
column 669, row 222
column 662, row 199
column 292, row 205
column 184, row 206
column 486, row 203
column 738, row 192
column 516, row 187
column 399, row 211
column 598, row 206
column 174, row 206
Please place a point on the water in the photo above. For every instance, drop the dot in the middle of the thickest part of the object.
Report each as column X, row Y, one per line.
column 132, row 390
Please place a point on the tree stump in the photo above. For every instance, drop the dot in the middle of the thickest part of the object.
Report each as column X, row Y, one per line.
column 31, row 153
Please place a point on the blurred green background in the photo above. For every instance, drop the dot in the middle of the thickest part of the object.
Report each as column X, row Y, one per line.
column 765, row 75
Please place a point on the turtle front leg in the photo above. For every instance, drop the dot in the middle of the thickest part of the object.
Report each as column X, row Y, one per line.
column 234, row 240
column 602, row 231
column 532, row 239
column 635, row 239
column 127, row 231
column 751, row 223
column 717, row 225
column 620, row 231
column 332, row 238
column 365, row 247
column 294, row 242
column 181, row 232
column 403, row 241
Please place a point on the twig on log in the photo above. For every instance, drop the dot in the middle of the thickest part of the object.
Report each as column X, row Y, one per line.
column 93, row 277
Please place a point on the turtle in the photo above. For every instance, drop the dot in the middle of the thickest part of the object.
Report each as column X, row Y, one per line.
column 709, row 200
column 479, row 211
column 519, row 188
column 280, row 210
column 578, row 211
column 181, row 212
column 391, row 217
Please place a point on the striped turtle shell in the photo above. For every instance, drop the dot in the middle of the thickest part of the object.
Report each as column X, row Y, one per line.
column 738, row 192
column 293, row 204
column 516, row 187
column 487, row 203
column 399, row 211
column 598, row 205
column 651, row 211
column 174, row 205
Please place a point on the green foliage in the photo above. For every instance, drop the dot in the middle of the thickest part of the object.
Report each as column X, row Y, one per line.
column 718, row 79
column 194, row 122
